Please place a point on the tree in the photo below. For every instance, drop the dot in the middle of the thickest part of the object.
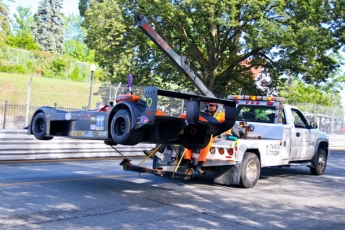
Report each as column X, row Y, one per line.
column 295, row 91
column 283, row 37
column 83, row 6
column 106, row 34
column 21, row 36
column 74, row 45
column 48, row 29
column 4, row 21
column 73, row 29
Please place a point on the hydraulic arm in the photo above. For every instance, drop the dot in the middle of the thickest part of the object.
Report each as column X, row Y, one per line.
column 180, row 61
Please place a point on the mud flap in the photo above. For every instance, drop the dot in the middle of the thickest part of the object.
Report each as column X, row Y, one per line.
column 227, row 175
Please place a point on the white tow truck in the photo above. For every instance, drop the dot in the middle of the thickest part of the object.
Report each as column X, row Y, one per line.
column 266, row 133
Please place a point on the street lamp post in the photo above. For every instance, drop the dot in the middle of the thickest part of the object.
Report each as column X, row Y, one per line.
column 92, row 69
column 27, row 105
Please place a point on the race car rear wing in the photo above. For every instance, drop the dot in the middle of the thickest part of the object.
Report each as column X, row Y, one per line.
column 192, row 105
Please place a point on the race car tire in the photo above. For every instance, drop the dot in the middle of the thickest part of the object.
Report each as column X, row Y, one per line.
column 250, row 171
column 320, row 164
column 39, row 127
column 121, row 131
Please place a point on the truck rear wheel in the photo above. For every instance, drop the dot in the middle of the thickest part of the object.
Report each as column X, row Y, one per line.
column 121, row 130
column 320, row 164
column 250, row 171
column 39, row 127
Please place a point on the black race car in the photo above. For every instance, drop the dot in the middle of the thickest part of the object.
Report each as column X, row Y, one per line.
column 132, row 120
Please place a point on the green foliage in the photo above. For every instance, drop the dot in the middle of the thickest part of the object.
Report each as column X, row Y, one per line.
column 21, row 35
column 75, row 74
column 48, row 28
column 108, row 36
column 23, row 40
column 74, row 45
column 73, row 29
column 30, row 66
column 58, row 66
column 284, row 37
column 78, row 50
column 43, row 64
column 296, row 92
column 83, row 5
column 4, row 22
column 14, row 68
column 23, row 20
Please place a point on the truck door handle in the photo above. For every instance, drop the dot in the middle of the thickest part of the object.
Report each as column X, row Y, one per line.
column 298, row 134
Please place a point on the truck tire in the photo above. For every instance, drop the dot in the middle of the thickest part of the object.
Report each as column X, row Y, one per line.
column 250, row 171
column 39, row 127
column 320, row 164
column 121, row 130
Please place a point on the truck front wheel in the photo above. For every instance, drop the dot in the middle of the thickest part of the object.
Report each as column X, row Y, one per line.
column 250, row 171
column 320, row 164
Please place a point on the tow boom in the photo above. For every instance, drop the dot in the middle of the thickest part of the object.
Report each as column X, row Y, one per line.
column 180, row 61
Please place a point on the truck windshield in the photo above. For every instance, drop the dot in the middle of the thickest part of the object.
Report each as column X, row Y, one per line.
column 255, row 113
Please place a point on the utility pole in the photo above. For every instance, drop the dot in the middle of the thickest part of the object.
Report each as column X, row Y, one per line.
column 27, row 106
column 92, row 69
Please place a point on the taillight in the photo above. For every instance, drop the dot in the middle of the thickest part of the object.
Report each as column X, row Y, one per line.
column 212, row 150
column 221, row 151
column 230, row 151
column 270, row 103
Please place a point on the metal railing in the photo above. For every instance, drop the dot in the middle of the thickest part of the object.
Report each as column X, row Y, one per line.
column 18, row 145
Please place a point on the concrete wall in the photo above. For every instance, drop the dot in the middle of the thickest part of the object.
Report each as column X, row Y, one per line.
column 18, row 145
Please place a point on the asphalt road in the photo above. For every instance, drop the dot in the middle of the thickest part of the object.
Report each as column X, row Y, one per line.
column 100, row 195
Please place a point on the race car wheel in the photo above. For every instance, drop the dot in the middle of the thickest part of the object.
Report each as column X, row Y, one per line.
column 121, row 131
column 320, row 164
column 250, row 171
column 39, row 127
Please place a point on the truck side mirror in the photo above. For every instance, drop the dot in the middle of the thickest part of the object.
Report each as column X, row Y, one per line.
column 313, row 125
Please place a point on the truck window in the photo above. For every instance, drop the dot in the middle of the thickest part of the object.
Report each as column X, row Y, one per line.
column 283, row 118
column 256, row 113
column 299, row 120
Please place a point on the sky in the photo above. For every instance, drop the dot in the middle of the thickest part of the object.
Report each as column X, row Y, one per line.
column 71, row 6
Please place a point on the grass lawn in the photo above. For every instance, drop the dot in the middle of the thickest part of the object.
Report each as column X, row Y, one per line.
column 46, row 91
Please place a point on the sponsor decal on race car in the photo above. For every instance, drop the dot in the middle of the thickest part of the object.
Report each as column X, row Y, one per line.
column 68, row 116
column 76, row 133
column 144, row 119
column 124, row 97
column 99, row 123
column 80, row 133
column 77, row 116
column 149, row 112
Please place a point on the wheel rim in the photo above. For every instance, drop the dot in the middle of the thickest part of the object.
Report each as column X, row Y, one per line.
column 252, row 171
column 120, row 126
column 322, row 162
column 40, row 125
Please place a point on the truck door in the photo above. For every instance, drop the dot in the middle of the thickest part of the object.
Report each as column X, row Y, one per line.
column 302, row 147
